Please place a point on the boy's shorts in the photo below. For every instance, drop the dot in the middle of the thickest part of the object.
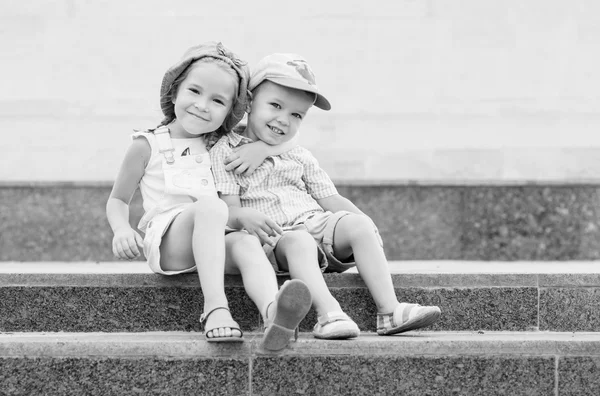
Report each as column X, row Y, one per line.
column 322, row 227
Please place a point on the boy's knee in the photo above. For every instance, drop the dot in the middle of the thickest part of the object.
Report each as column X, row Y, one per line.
column 357, row 226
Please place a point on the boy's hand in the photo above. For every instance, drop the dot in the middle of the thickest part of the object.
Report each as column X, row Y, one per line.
column 259, row 225
column 245, row 159
column 126, row 242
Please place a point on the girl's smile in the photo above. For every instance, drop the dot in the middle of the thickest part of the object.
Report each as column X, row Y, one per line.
column 203, row 101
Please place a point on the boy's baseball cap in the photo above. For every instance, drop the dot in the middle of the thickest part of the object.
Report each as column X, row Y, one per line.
column 289, row 70
column 213, row 50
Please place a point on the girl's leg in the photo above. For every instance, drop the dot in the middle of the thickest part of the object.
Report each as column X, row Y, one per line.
column 197, row 237
column 283, row 310
column 296, row 251
column 354, row 234
column 245, row 256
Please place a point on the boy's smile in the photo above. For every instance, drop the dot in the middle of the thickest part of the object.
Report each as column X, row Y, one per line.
column 276, row 113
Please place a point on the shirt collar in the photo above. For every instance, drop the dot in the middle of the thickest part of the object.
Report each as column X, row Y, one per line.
column 236, row 139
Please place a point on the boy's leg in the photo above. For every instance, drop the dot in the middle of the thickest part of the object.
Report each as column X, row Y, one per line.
column 355, row 235
column 197, row 237
column 297, row 253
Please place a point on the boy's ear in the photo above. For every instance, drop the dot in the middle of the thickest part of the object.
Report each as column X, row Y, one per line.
column 249, row 103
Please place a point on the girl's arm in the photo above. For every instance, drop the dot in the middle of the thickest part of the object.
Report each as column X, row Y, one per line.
column 126, row 241
column 246, row 158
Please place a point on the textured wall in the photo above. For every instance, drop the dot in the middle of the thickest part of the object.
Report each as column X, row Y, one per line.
column 428, row 90
column 63, row 223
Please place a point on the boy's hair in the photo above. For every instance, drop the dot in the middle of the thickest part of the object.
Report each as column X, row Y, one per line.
column 288, row 70
column 226, row 60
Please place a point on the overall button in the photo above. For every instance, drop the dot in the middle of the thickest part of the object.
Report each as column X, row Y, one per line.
column 204, row 182
column 199, row 158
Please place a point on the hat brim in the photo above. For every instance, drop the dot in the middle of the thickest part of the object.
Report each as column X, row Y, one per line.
column 321, row 102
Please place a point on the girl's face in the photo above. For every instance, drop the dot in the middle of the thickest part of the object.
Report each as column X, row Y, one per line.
column 276, row 113
column 203, row 101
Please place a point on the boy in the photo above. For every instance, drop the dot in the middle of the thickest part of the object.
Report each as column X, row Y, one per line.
column 291, row 191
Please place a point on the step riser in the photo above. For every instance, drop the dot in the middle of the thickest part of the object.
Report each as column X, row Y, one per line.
column 54, row 223
column 321, row 375
column 175, row 363
column 113, row 309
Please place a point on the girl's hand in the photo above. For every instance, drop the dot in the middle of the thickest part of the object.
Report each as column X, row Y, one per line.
column 245, row 158
column 126, row 242
column 259, row 225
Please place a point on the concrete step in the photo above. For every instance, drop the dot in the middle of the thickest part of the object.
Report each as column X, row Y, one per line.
column 126, row 297
column 422, row 363
column 67, row 221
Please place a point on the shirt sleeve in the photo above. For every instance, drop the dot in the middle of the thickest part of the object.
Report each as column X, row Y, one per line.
column 225, row 181
column 317, row 181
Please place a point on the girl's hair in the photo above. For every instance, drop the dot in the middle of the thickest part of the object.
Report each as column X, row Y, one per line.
column 212, row 137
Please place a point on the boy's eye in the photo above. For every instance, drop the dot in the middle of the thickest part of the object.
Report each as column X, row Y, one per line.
column 298, row 116
column 276, row 105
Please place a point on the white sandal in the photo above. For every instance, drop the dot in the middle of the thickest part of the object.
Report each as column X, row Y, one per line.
column 335, row 326
column 407, row 317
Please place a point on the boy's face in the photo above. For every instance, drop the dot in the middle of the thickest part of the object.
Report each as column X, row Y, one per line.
column 276, row 113
column 203, row 100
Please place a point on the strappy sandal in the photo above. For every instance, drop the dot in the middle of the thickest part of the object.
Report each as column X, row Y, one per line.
column 335, row 326
column 292, row 303
column 235, row 326
column 407, row 317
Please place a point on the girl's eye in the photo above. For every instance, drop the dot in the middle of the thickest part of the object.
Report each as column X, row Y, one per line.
column 276, row 105
column 194, row 90
column 219, row 101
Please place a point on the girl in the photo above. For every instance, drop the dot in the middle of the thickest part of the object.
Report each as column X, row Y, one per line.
column 202, row 97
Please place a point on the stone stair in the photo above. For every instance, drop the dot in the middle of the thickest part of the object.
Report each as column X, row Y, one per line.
column 507, row 328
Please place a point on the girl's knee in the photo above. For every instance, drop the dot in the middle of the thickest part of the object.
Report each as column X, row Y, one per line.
column 211, row 208
column 244, row 243
column 296, row 241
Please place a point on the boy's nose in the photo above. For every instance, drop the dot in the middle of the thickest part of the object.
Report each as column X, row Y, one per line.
column 283, row 121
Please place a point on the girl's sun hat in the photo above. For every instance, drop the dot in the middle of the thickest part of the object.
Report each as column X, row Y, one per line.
column 213, row 50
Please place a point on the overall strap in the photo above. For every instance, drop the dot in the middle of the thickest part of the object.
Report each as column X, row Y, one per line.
column 165, row 147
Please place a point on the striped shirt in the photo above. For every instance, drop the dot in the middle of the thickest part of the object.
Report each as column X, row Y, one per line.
column 284, row 187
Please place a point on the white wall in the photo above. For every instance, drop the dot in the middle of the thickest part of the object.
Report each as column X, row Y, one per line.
column 422, row 90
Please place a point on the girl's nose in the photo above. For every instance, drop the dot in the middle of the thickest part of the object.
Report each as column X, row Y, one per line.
column 200, row 106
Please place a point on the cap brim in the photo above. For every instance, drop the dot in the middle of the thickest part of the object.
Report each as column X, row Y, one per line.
column 321, row 102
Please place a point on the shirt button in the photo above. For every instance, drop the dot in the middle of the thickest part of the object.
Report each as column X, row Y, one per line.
column 199, row 158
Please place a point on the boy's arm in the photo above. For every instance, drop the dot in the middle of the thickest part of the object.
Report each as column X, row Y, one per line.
column 335, row 203
column 251, row 220
column 246, row 158
column 126, row 241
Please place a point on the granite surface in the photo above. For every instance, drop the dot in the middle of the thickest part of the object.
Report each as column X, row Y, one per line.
column 533, row 222
column 570, row 309
column 139, row 308
column 389, row 375
column 579, row 376
column 113, row 309
column 105, row 377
